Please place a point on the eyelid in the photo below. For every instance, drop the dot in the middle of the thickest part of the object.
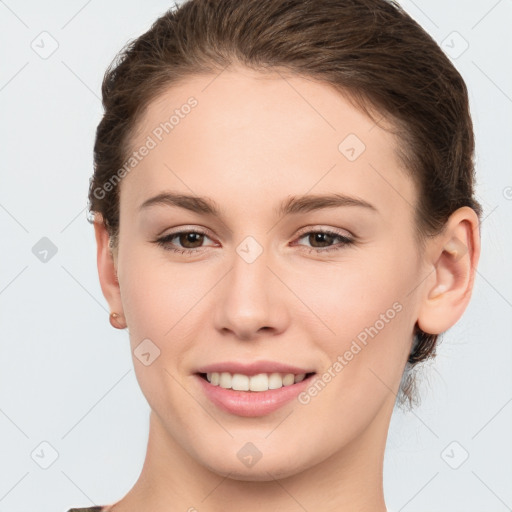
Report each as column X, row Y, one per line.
column 186, row 228
column 314, row 228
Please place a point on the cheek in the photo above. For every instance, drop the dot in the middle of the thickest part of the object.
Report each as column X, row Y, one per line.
column 365, row 348
column 151, row 289
column 350, row 295
column 363, row 323
column 156, row 297
column 163, row 301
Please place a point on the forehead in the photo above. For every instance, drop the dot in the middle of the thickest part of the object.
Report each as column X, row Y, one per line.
column 254, row 133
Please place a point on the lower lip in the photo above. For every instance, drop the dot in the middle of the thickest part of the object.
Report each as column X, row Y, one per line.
column 252, row 403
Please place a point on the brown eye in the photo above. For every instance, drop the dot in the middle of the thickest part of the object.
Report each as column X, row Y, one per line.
column 322, row 241
column 190, row 240
column 321, row 238
column 183, row 242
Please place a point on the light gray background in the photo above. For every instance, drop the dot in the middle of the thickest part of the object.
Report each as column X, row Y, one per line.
column 66, row 376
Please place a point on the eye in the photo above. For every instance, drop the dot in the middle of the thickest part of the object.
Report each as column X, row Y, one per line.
column 325, row 237
column 190, row 240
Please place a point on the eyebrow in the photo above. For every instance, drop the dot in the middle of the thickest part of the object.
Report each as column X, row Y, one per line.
column 290, row 206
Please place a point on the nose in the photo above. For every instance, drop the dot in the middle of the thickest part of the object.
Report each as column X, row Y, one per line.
column 250, row 301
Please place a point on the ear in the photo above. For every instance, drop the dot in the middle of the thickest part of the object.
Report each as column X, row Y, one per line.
column 454, row 256
column 106, row 260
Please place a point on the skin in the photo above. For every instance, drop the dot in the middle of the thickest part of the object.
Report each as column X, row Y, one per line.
column 253, row 141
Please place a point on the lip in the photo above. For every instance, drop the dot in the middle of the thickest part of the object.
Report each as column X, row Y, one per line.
column 253, row 368
column 252, row 403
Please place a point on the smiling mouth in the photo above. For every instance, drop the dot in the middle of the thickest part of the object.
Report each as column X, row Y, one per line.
column 254, row 383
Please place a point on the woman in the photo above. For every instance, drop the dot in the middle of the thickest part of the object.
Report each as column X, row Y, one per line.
column 285, row 221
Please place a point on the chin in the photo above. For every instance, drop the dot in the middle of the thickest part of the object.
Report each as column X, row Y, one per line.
column 262, row 474
column 264, row 470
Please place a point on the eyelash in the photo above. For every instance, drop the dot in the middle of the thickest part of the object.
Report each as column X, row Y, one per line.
column 165, row 241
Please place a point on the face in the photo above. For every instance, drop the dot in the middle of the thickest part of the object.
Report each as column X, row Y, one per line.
column 323, row 285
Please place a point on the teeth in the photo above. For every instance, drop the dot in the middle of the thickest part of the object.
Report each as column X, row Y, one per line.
column 288, row 379
column 260, row 382
column 240, row 382
column 275, row 381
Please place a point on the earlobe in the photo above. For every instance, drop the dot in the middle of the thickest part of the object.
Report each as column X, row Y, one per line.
column 107, row 271
column 455, row 255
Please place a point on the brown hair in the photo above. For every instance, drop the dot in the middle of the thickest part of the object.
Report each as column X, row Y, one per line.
column 370, row 50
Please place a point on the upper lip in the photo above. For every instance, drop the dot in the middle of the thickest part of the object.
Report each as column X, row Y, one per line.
column 252, row 368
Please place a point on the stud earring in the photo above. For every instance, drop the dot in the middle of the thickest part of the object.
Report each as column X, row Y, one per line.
column 114, row 322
